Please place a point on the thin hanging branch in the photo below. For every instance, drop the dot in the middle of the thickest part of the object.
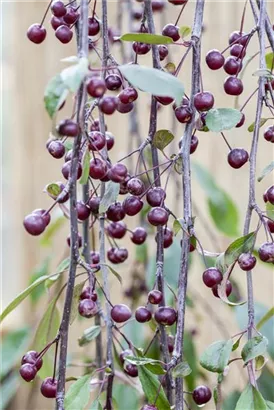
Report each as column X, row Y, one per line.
column 186, row 181
column 74, row 252
column 156, row 173
column 268, row 25
column 252, row 176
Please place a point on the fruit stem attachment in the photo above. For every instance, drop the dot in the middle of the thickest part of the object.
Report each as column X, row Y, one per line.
column 225, row 140
column 180, row 14
column 46, row 12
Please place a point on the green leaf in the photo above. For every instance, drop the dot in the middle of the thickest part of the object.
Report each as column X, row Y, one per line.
column 236, row 344
column 53, row 190
column 230, row 401
column 241, row 245
column 221, row 206
column 22, row 296
column 260, row 362
column 265, row 318
column 155, row 82
column 155, row 368
column 75, row 301
column 251, row 399
column 85, row 167
column 141, row 361
column 254, row 347
column 62, row 267
column 55, row 94
column 78, row 394
column 162, row 139
column 262, row 122
column 221, row 289
column 216, row 356
column 146, row 38
column 89, row 334
column 9, row 386
column 96, row 405
column 177, row 225
column 269, row 59
column 55, row 225
column 13, row 346
column 184, row 31
column 151, row 386
column 41, row 270
column 262, row 72
column 74, row 75
column 270, row 210
column 269, row 168
column 219, row 119
column 110, row 196
column 113, row 271
column 181, row 370
column 269, row 405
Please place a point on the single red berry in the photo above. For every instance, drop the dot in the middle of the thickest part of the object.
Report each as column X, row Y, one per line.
column 228, row 289
column 97, row 168
column 120, row 313
column 132, row 205
column 94, row 257
column 56, row 22
column 97, row 141
column 232, row 65
column 87, row 308
column 233, row 86
column 117, row 230
column 124, row 108
column 266, row 252
column 270, row 194
column 194, row 144
column 68, row 128
column 138, row 236
column 237, row 37
column 164, row 100
column 155, row 196
column 212, row 277
column 157, row 216
column 201, row 395
column 96, row 87
column 115, row 212
column 247, row 261
column 117, row 172
column 45, row 215
column 269, row 134
column 128, row 95
column 112, row 256
column 241, row 122
column 135, row 186
column 71, row 15
column 270, row 224
column 94, row 204
column 141, row 48
column 155, row 297
column 172, row 31
column 108, row 104
column 28, row 372
column 36, row 33
column 93, row 26
column 237, row 50
column 203, row 101
column 131, row 370
column 165, row 316
column 31, row 357
column 183, row 114
column 109, row 140
column 163, row 52
column 64, row 34
column 237, row 157
column 34, row 224
column 113, row 82
column 66, row 170
column 56, row 149
column 142, row 314
column 168, row 237
column 215, row 59
column 80, row 241
column 49, row 388
column 58, row 8
column 83, row 211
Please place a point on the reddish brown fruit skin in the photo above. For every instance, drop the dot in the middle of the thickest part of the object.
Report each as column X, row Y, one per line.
column 138, row 236
column 266, row 252
column 155, row 196
column 36, row 33
column 269, row 134
column 87, row 308
column 28, row 372
column 93, row 26
column 212, row 277
column 228, row 289
column 171, row 31
column 128, row 95
column 247, row 261
column 64, row 34
column 34, row 224
column 142, row 314
column 49, row 388
column 233, row 86
column 201, row 395
column 108, row 104
column 31, row 358
column 232, row 66
column 117, row 230
column 270, row 194
column 237, row 157
column 131, row 370
column 155, row 297
column 165, row 316
column 157, row 216
column 120, row 313
column 203, row 101
column 58, row 9
column 214, row 59
column 96, row 87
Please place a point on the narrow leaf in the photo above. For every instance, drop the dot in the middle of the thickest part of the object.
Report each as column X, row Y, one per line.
column 141, row 361
column 62, row 267
column 219, row 119
column 162, row 139
column 254, row 347
column 53, row 190
column 155, row 82
column 85, row 167
column 75, row 301
column 265, row 318
column 177, row 225
column 55, row 225
column 116, row 274
column 269, row 405
column 262, row 122
column 77, row 396
column 110, row 196
column 269, row 59
column 269, row 168
column 155, row 368
column 270, row 210
column 184, row 31
column 262, row 72
column 241, row 245
column 146, row 38
column 56, row 93
column 151, row 387
column 251, row 399
column 222, row 291
column 216, row 356
column 181, row 370
column 236, row 344
column 89, row 334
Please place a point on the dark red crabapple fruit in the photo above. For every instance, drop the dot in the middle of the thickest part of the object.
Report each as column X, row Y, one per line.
column 157, row 216
column 228, row 289
column 58, row 8
column 178, row 2
column 135, row 186
column 193, row 144
column 241, row 122
column 168, row 237
column 64, row 34
column 36, row 33
column 87, row 308
column 95, row 125
column 88, row 294
column 97, row 141
column 266, row 252
column 109, row 140
column 157, row 5
column 115, row 212
column 117, row 230
column 138, row 236
column 83, row 210
column 163, row 52
column 94, row 204
column 124, row 354
column 124, row 108
column 247, row 261
column 201, row 395
column 108, row 104
column 165, row 316
column 28, row 372
column 155, row 196
column 120, row 313
column 183, row 114
column 270, row 194
column 215, row 59
column 93, row 26
column 121, row 254
column 268, row 84
column 80, row 241
column 34, row 224
column 117, row 172
column 203, row 101
column 45, row 215
column 113, row 82
column 112, row 256
column 68, row 128
column 31, row 357
column 49, row 388
column 170, row 343
column 123, row 185
column 233, row 86
column 270, row 224
column 56, row 149
column 172, row 31
column 131, row 370
column 155, row 297
column 132, row 205
column 232, row 66
column 164, row 100
column 142, row 314
column 97, row 168
column 66, row 170
column 237, row 157
column 71, row 15
column 94, row 257
column 56, row 22
column 237, row 50
column 128, row 95
column 212, row 277
column 141, row 48
column 269, row 134
column 237, row 37
column 96, row 87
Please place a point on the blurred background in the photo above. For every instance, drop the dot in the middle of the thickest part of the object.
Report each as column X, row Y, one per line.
column 27, row 168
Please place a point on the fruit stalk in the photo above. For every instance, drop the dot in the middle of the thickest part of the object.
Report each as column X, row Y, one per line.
column 156, row 174
column 82, row 26
column 186, row 182
column 252, row 177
